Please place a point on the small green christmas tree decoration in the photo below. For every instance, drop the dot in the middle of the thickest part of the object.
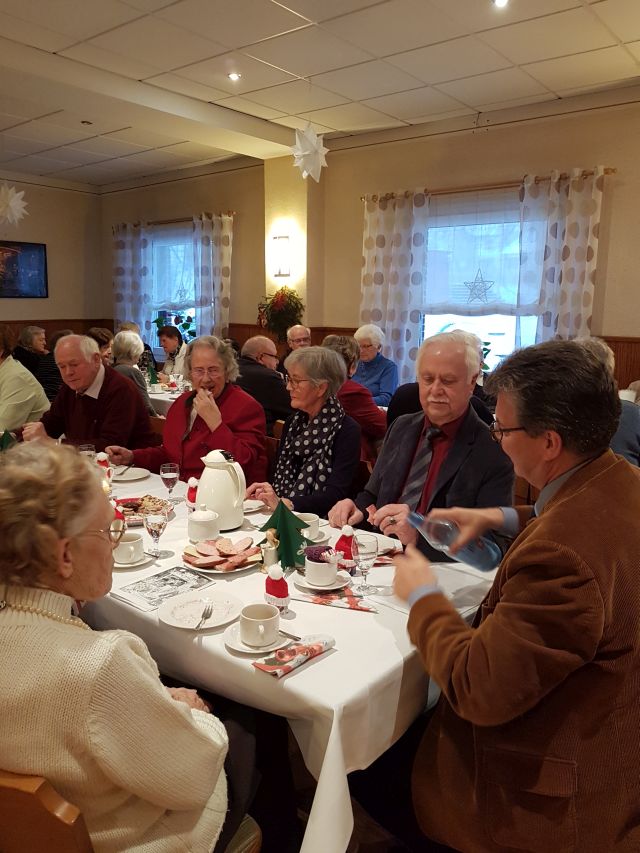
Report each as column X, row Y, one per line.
column 7, row 440
column 153, row 376
column 288, row 527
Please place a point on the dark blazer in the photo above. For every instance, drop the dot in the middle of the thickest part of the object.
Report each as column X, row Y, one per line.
column 534, row 745
column 475, row 472
column 406, row 400
column 267, row 387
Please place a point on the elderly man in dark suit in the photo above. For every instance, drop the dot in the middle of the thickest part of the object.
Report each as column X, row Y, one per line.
column 442, row 456
column 259, row 378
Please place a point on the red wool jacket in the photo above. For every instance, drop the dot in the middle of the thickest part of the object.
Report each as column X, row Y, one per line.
column 358, row 403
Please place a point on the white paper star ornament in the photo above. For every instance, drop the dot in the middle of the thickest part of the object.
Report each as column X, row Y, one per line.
column 12, row 206
column 308, row 153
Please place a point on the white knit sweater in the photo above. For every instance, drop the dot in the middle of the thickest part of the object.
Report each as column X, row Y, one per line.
column 86, row 710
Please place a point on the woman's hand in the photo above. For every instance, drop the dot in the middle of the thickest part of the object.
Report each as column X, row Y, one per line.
column 473, row 523
column 163, row 377
column 119, row 455
column 189, row 697
column 264, row 492
column 412, row 570
column 344, row 512
column 205, row 405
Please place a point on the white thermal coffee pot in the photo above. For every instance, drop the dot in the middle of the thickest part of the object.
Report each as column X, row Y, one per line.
column 222, row 488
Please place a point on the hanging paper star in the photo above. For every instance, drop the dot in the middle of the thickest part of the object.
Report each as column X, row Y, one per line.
column 308, row 153
column 12, row 207
column 478, row 288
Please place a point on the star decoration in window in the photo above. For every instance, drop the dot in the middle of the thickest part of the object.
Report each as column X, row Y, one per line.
column 479, row 288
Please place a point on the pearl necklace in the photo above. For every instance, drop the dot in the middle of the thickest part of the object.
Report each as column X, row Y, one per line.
column 48, row 614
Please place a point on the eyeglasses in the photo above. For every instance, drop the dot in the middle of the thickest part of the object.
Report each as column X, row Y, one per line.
column 199, row 372
column 270, row 354
column 296, row 382
column 300, row 340
column 115, row 531
column 498, row 433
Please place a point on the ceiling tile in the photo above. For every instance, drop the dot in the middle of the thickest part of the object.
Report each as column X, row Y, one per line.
column 255, row 74
column 7, row 120
column 634, row 47
column 11, row 143
column 107, row 146
column 243, row 105
column 89, row 174
column 160, row 157
column 517, row 102
column 368, row 80
column 26, row 32
column 296, row 97
column 157, row 43
column 64, row 118
column 233, row 24
column 585, row 69
column 50, row 134
column 98, row 57
column 621, row 16
column 26, row 109
column 352, row 117
column 173, row 83
column 148, row 5
column 142, row 138
column 545, row 38
column 449, row 60
column 498, row 86
column 322, row 11
column 418, row 102
column 74, row 156
column 194, row 152
column 308, row 51
column 36, row 164
column 478, row 15
column 396, row 26
column 302, row 123
column 79, row 18
column 429, row 119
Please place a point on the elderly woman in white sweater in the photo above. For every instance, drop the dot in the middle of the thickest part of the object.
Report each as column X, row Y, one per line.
column 85, row 709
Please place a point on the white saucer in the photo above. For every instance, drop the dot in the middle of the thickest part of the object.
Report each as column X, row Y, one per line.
column 253, row 506
column 342, row 579
column 231, row 637
column 320, row 539
column 131, row 474
column 137, row 564
column 185, row 611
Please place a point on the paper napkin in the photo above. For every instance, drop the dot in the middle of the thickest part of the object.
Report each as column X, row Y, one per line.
column 283, row 661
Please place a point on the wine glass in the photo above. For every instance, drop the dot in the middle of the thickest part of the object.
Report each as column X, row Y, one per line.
column 169, row 472
column 364, row 547
column 155, row 522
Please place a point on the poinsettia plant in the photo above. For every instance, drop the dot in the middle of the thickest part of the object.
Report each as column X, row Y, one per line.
column 280, row 311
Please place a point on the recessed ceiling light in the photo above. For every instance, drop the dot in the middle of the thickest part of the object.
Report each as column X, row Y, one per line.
column 234, row 76
column 500, row 3
column 85, row 121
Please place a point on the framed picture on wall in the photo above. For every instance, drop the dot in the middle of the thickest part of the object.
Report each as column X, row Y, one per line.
column 23, row 270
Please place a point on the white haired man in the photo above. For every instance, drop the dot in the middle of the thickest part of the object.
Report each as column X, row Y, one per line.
column 259, row 378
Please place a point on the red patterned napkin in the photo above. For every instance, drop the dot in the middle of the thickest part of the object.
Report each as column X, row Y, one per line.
column 283, row 661
column 345, row 598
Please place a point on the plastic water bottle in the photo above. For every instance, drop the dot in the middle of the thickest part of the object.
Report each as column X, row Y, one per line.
column 483, row 554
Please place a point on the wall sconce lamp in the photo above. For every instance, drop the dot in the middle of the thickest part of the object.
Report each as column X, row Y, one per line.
column 281, row 257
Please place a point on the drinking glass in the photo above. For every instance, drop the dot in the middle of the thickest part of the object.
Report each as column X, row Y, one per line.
column 364, row 547
column 88, row 450
column 169, row 473
column 155, row 522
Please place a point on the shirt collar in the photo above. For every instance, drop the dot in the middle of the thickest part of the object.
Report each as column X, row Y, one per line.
column 450, row 429
column 94, row 389
column 552, row 488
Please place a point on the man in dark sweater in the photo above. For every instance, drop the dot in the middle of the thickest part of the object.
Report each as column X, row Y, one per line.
column 95, row 404
column 259, row 378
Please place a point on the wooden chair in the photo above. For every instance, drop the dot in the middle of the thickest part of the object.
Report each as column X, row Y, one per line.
column 157, row 425
column 271, row 446
column 277, row 429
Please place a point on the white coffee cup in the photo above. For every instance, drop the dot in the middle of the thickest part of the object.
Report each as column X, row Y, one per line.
column 156, row 388
column 259, row 624
column 320, row 573
column 313, row 524
column 130, row 548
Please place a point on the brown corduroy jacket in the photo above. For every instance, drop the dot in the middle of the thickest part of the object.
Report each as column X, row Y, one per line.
column 535, row 744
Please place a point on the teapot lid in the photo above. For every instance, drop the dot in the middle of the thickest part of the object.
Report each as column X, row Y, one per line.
column 203, row 514
column 217, row 458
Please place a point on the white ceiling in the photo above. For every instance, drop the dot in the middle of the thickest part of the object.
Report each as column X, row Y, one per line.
column 103, row 91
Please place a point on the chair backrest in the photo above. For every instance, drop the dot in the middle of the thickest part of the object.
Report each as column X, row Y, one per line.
column 271, row 446
column 34, row 817
column 157, row 425
column 277, row 429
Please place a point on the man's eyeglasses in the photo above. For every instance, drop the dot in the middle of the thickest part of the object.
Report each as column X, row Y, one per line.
column 115, row 531
column 296, row 382
column 269, row 354
column 305, row 340
column 199, row 372
column 498, row 433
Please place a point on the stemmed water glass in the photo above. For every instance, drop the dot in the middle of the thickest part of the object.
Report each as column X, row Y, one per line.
column 169, row 473
column 155, row 522
column 364, row 547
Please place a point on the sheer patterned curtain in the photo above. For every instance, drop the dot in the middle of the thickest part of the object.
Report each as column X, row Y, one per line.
column 132, row 279
column 212, row 247
column 393, row 258
column 564, row 264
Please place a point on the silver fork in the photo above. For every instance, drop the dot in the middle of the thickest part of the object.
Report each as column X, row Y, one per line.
column 206, row 613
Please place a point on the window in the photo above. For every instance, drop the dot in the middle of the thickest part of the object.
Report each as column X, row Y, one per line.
column 172, row 277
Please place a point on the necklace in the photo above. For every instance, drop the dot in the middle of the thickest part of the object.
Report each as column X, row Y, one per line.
column 48, row 614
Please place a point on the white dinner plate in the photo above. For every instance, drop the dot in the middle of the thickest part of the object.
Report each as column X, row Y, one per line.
column 253, row 506
column 185, row 611
column 320, row 539
column 231, row 637
column 136, row 565
column 216, row 571
column 131, row 474
column 342, row 579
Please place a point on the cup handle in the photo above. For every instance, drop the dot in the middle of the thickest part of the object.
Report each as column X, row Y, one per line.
column 261, row 631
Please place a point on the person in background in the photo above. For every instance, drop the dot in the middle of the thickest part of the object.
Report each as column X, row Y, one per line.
column 22, row 398
column 104, row 338
column 215, row 415
column 297, row 337
column 47, row 372
column 374, row 371
column 356, row 400
column 95, row 404
column 175, row 350
column 147, row 359
column 259, row 378
column 32, row 345
column 320, row 445
column 126, row 350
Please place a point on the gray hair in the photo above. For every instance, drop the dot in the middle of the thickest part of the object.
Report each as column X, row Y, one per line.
column 223, row 350
column 601, row 350
column 298, row 326
column 254, row 346
column 25, row 338
column 88, row 347
column 370, row 333
column 129, row 326
column 127, row 346
column 346, row 346
column 464, row 340
column 320, row 365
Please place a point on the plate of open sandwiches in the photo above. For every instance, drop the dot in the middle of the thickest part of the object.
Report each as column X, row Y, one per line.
column 222, row 556
column 133, row 509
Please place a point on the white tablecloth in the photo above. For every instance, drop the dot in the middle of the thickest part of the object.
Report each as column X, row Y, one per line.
column 162, row 402
column 345, row 707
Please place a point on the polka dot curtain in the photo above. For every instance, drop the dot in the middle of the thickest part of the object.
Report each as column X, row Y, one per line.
column 212, row 246
column 571, row 207
column 132, row 263
column 392, row 274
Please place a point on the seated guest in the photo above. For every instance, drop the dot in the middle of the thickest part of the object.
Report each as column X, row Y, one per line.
column 297, row 338
column 32, row 345
column 95, row 404
column 47, row 372
column 22, row 398
column 144, row 763
column 104, row 338
column 258, row 377
column 215, row 415
column 374, row 371
column 533, row 745
column 320, row 445
column 126, row 350
column 147, row 359
column 356, row 400
column 175, row 351
column 442, row 456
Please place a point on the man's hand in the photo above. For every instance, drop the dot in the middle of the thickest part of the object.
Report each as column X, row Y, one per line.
column 119, row 455
column 412, row 570
column 344, row 512
column 189, row 697
column 392, row 520
column 33, row 430
column 206, row 406
column 163, row 377
column 473, row 523
column 263, row 492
